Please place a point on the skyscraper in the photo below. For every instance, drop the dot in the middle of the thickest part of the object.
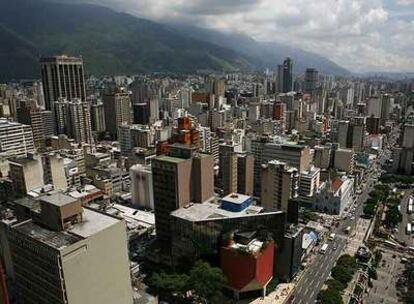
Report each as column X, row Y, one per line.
column 279, row 185
column 311, row 80
column 16, row 140
column 117, row 107
column 287, row 75
column 62, row 76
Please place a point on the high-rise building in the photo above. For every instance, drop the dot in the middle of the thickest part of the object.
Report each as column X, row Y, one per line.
column 229, row 173
column 309, row 184
column 73, row 118
column 26, row 173
column 62, row 77
column 287, row 75
column 297, row 156
column 279, row 185
column 54, row 171
column 280, row 78
column 142, row 190
column 117, row 111
column 141, row 113
column 172, row 190
column 98, row 117
column 16, row 140
column 311, row 80
column 68, row 254
column 245, row 172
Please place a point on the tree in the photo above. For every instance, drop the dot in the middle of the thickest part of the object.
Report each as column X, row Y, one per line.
column 369, row 210
column 342, row 274
column 207, row 282
column 330, row 296
column 393, row 216
column 169, row 286
column 336, row 285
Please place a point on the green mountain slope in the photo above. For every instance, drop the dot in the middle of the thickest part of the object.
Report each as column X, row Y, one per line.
column 109, row 42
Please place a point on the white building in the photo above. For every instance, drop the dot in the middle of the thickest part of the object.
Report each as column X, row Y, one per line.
column 16, row 140
column 333, row 197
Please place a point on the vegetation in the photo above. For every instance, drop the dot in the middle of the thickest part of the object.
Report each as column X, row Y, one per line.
column 379, row 194
column 204, row 281
column 391, row 179
column 393, row 216
column 342, row 274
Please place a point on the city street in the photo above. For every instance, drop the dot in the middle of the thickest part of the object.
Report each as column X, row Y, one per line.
column 313, row 279
column 318, row 272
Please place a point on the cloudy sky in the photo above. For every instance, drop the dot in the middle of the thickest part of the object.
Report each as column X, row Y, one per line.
column 361, row 35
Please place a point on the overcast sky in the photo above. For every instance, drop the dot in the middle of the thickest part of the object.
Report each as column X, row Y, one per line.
column 361, row 35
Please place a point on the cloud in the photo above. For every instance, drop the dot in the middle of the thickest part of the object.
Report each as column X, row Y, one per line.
column 361, row 35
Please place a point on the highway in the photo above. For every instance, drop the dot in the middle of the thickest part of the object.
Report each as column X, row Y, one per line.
column 318, row 271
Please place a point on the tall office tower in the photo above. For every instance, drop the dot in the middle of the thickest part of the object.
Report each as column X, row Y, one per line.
column 374, row 107
column 287, row 75
column 141, row 113
column 98, row 117
column 16, row 140
column 62, row 77
column 186, row 97
column 205, row 138
column 68, row 254
column 154, row 109
column 228, row 173
column 297, row 156
column 202, row 178
column 344, row 134
column 280, row 78
column 311, row 80
column 408, row 136
column 142, row 190
column 124, row 139
column 217, row 86
column 30, row 114
column 245, row 172
column 26, row 173
column 279, row 110
column 171, row 178
column 373, row 125
column 322, row 157
column 117, row 108
column 279, row 185
column 358, row 134
column 73, row 119
column 257, row 148
column 387, row 102
column 54, row 171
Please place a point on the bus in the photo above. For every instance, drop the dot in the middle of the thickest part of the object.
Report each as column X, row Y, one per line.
column 410, row 206
column 323, row 248
column 408, row 229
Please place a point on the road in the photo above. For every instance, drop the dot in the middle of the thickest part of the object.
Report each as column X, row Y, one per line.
column 318, row 271
column 312, row 280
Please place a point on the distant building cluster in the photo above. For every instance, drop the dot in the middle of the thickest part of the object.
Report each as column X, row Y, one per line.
column 98, row 174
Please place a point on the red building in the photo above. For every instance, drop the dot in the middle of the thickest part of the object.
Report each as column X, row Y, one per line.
column 279, row 110
column 248, row 267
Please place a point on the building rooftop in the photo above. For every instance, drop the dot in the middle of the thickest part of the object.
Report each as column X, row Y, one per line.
column 236, row 198
column 58, row 199
column 55, row 239
column 170, row 159
column 92, row 222
column 209, row 210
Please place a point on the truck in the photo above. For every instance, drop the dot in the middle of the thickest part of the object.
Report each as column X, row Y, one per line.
column 408, row 229
column 347, row 230
column 324, row 248
column 331, row 237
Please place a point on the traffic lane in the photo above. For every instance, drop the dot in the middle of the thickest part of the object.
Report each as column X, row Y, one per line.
column 313, row 280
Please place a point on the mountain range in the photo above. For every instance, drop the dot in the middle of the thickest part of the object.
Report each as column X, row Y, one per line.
column 118, row 43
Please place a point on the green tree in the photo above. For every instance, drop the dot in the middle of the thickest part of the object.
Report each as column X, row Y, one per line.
column 169, row 286
column 207, row 282
column 336, row 285
column 330, row 296
column 393, row 216
column 342, row 274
